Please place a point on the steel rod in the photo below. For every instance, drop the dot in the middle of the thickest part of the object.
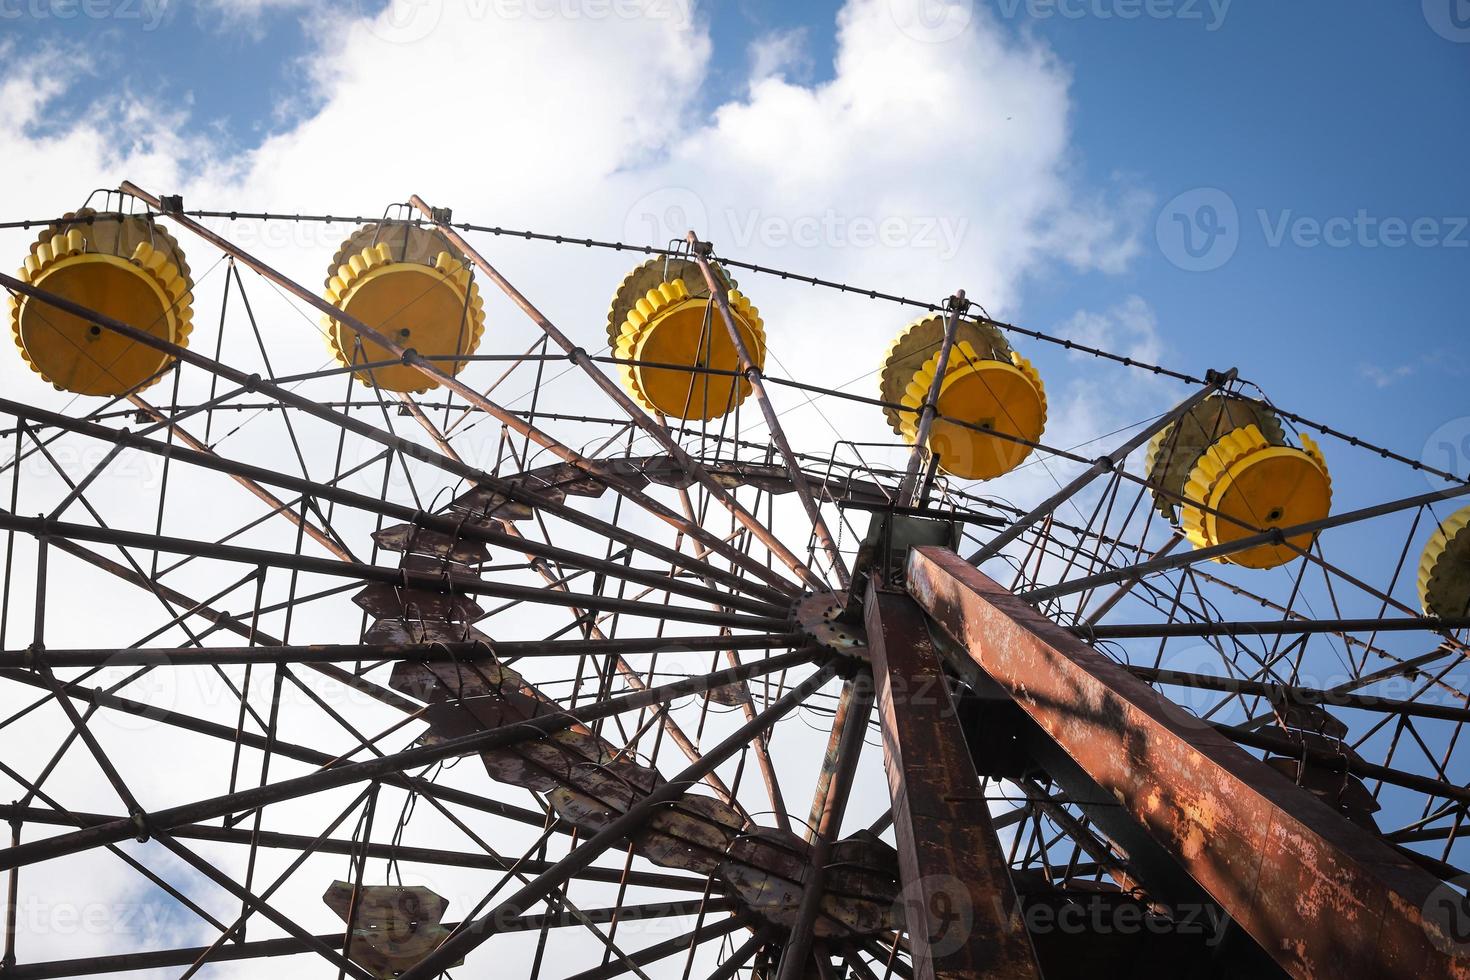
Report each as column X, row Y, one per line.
column 752, row 372
column 471, row 935
column 1105, row 464
column 381, row 766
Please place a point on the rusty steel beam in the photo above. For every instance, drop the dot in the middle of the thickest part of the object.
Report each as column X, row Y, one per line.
column 1104, row 464
column 908, row 489
column 1320, row 895
column 610, row 388
column 948, row 850
column 699, row 251
column 411, row 358
column 389, row 766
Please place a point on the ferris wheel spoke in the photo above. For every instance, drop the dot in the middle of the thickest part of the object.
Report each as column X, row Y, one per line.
column 398, row 762
column 665, row 949
column 640, row 418
column 776, row 587
column 752, row 373
column 471, row 935
column 1277, row 536
column 460, row 583
column 1105, row 464
column 444, row 525
column 411, row 359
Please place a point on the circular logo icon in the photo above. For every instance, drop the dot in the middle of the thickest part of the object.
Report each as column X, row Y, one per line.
column 1189, row 702
column 1447, row 916
column 154, row 687
column 1199, row 230
column 1448, row 449
column 400, row 21
column 942, row 906
column 932, row 21
column 1450, row 19
column 663, row 215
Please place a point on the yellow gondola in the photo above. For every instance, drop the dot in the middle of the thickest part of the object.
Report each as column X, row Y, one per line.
column 986, row 385
column 1444, row 569
column 411, row 285
column 662, row 314
column 127, row 267
column 1238, row 475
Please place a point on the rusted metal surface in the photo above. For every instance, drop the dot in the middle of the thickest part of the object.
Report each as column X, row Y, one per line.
column 908, row 491
column 752, row 371
column 964, row 917
column 636, row 414
column 1321, row 896
column 392, row 927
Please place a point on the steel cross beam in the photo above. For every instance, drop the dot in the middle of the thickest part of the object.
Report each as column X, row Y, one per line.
column 780, row 590
column 1104, row 464
column 413, row 359
column 609, row 387
column 909, row 489
column 948, row 852
column 752, row 373
column 1319, row 894
column 1272, row 627
column 1273, row 536
column 390, row 765
column 472, row 934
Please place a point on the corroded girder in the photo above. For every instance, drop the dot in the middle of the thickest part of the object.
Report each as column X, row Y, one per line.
column 1321, row 895
column 956, row 881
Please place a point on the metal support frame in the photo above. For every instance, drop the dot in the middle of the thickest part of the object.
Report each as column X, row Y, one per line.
column 610, row 387
column 947, row 846
column 1104, row 464
column 752, row 372
column 429, row 369
column 908, row 493
column 1320, row 895
column 469, row 936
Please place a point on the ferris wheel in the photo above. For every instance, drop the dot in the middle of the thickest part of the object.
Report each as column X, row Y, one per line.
column 432, row 653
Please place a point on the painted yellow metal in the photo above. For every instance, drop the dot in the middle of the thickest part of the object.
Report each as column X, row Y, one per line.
column 411, row 285
column 124, row 266
column 1174, row 451
column 986, row 385
column 662, row 314
column 1444, row 568
column 1244, row 484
